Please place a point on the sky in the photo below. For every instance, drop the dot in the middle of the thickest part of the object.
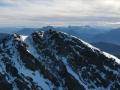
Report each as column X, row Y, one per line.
column 59, row 12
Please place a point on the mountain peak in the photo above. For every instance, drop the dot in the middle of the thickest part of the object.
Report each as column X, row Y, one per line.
column 54, row 60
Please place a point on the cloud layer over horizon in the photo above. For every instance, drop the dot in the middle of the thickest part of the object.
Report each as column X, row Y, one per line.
column 59, row 12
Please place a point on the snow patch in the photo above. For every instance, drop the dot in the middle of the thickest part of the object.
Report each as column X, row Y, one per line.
column 90, row 46
column 112, row 57
column 23, row 37
column 37, row 78
column 31, row 48
column 70, row 71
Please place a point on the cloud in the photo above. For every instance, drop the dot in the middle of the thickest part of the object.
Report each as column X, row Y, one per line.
column 44, row 12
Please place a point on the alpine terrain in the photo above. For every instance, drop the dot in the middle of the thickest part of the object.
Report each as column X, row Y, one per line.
column 53, row 60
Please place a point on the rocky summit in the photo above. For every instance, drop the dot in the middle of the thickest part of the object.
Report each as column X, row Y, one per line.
column 53, row 60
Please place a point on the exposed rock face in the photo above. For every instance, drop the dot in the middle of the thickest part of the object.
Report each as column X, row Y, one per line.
column 53, row 60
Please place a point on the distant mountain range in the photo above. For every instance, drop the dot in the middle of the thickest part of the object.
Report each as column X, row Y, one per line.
column 9, row 30
column 113, row 36
column 84, row 32
column 108, row 47
column 27, row 31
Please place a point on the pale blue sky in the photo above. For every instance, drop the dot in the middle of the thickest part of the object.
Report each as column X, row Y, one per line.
column 59, row 12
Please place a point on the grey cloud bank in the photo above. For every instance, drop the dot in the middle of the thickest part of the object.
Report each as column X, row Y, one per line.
column 59, row 12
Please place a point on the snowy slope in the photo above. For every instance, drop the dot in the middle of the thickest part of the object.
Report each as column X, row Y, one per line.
column 53, row 60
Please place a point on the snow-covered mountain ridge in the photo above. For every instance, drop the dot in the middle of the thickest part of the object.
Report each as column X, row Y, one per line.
column 54, row 60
